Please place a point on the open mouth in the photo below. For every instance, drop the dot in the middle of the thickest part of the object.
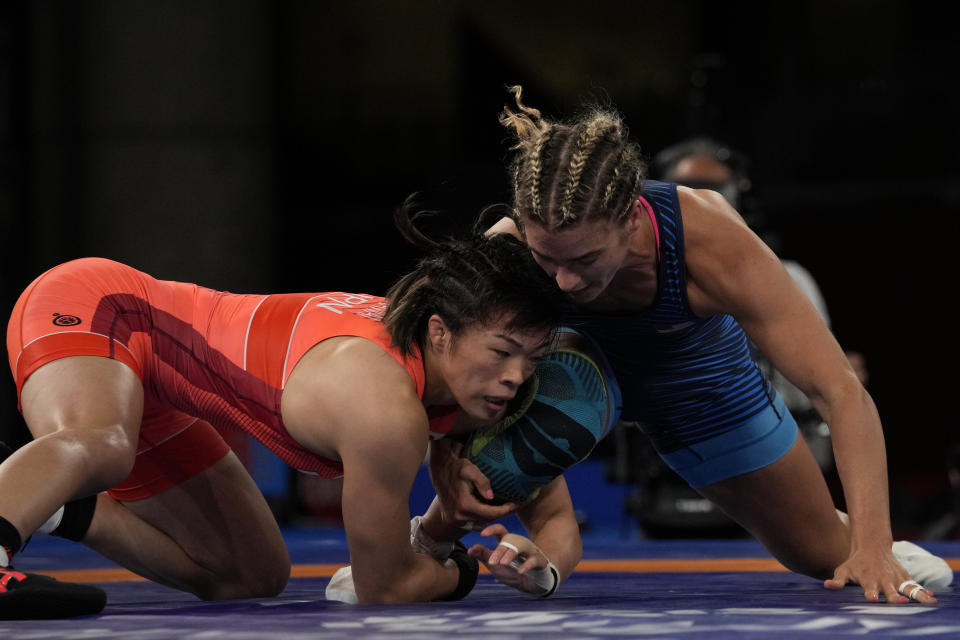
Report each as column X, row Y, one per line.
column 496, row 403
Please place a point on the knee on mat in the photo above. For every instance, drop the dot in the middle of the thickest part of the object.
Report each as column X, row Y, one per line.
column 262, row 582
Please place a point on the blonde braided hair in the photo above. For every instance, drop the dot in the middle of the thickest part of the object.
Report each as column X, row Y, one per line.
column 565, row 172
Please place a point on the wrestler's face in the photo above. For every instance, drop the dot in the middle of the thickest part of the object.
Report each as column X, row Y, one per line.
column 583, row 258
column 482, row 368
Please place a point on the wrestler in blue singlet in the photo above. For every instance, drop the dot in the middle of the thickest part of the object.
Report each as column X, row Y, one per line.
column 690, row 381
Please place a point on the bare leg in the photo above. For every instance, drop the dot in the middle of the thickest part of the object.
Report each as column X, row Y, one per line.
column 788, row 508
column 84, row 413
column 213, row 536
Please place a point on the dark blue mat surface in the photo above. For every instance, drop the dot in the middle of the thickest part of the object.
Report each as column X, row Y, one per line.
column 589, row 605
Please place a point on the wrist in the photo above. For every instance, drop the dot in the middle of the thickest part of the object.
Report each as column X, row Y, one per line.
column 546, row 579
column 467, row 569
column 423, row 542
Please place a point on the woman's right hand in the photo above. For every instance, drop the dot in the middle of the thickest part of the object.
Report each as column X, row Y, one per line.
column 462, row 489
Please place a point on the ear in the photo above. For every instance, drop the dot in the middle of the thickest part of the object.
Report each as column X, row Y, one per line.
column 636, row 216
column 438, row 334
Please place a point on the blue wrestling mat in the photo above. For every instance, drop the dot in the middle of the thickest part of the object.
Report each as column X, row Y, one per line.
column 713, row 589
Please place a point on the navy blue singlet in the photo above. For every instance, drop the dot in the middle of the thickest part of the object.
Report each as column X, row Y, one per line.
column 685, row 379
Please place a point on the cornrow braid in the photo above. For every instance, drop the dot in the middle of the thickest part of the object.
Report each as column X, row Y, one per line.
column 566, row 172
column 469, row 283
column 608, row 190
column 584, row 146
column 626, row 183
column 638, row 176
column 535, row 159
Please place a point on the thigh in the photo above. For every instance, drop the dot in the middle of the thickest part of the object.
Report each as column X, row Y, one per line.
column 84, row 414
column 84, row 393
column 787, row 506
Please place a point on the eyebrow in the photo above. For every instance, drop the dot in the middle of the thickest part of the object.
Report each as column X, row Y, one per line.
column 545, row 343
column 584, row 256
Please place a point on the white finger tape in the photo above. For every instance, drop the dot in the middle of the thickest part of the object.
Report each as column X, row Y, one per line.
column 907, row 583
column 510, row 546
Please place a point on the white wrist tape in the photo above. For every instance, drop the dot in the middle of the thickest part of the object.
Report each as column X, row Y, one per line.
column 423, row 543
column 547, row 579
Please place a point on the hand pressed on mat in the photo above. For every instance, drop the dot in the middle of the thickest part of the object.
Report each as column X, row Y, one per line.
column 517, row 562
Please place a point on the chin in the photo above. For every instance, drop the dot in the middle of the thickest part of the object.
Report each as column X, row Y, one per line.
column 485, row 416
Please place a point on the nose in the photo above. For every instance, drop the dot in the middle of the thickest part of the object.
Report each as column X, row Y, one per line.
column 513, row 374
column 567, row 280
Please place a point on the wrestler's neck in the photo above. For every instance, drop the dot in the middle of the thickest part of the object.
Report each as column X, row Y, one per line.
column 435, row 389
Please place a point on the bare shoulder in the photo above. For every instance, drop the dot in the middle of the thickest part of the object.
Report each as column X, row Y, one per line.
column 347, row 389
column 705, row 214
column 723, row 256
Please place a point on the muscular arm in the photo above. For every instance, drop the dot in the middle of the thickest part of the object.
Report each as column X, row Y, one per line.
column 376, row 486
column 732, row 271
column 379, row 432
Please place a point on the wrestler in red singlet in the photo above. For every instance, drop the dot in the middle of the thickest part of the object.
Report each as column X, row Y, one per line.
column 204, row 357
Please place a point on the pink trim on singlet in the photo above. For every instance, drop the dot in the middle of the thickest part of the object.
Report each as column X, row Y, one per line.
column 653, row 219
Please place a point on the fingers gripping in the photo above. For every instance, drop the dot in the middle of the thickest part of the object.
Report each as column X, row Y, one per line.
column 465, row 503
column 480, row 484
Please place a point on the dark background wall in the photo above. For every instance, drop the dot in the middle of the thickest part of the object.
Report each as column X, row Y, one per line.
column 254, row 145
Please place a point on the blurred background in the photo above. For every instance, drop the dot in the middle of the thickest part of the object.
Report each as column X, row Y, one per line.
column 261, row 146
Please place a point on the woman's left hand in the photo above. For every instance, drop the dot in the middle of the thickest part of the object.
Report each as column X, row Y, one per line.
column 517, row 562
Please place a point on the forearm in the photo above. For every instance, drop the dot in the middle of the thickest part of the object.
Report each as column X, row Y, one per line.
column 419, row 579
column 560, row 541
column 387, row 569
column 862, row 466
column 552, row 525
